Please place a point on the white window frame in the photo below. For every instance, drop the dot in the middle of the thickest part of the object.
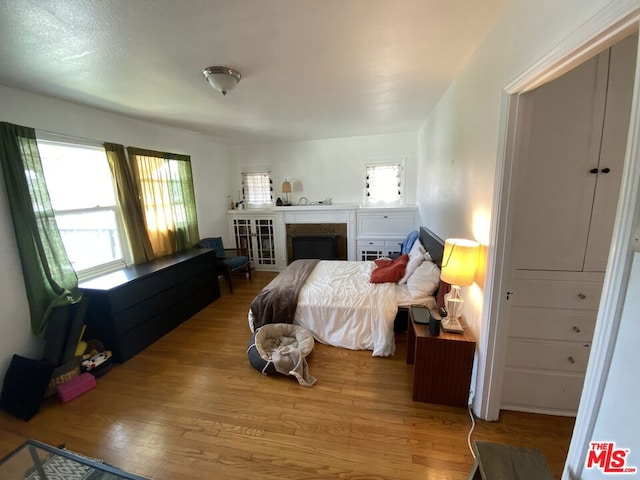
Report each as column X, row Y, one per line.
column 103, row 268
column 384, row 162
column 246, row 195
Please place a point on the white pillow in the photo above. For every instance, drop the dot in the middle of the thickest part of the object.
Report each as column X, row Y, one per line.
column 416, row 257
column 425, row 280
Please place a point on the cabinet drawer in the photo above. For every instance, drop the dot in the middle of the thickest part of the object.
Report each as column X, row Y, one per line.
column 557, row 293
column 552, row 323
column 541, row 392
column 364, row 244
column 564, row 356
column 393, row 244
column 148, row 308
column 385, row 223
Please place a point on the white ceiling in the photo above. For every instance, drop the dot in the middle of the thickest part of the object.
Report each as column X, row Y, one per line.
column 311, row 68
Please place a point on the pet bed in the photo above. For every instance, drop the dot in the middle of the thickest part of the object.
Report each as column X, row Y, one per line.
column 282, row 348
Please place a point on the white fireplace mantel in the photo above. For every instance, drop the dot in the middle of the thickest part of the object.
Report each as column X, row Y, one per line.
column 314, row 214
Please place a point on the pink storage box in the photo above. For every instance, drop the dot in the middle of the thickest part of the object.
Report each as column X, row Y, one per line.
column 76, row 387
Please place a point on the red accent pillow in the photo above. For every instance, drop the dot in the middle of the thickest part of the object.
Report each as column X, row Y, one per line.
column 381, row 262
column 391, row 271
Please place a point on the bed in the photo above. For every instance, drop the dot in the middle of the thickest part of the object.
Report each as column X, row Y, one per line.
column 338, row 304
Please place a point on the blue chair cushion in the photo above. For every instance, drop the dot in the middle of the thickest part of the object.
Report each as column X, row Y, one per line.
column 236, row 262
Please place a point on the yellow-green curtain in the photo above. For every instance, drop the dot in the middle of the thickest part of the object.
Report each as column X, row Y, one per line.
column 129, row 202
column 166, row 191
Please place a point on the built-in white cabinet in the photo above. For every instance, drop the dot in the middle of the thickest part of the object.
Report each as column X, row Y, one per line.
column 381, row 230
column 372, row 249
column 568, row 173
column 370, row 232
column 553, row 316
column 257, row 233
column 570, row 164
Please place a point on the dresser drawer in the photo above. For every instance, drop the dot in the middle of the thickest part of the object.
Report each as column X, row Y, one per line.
column 583, row 295
column 552, row 324
column 557, row 356
column 553, row 393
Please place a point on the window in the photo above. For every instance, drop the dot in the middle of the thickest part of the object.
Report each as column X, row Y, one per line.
column 166, row 191
column 83, row 199
column 257, row 188
column 383, row 183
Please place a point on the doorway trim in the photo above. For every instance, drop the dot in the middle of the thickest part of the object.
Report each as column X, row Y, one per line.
column 614, row 21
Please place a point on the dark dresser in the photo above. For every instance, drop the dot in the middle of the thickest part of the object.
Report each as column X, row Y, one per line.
column 131, row 308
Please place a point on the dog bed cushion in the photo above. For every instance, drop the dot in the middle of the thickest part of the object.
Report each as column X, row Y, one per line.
column 282, row 348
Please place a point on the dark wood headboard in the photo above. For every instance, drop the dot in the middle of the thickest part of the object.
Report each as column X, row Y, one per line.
column 435, row 246
column 432, row 244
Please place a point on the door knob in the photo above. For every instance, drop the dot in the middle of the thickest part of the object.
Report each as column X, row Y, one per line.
column 576, row 329
column 593, row 170
column 605, row 170
column 571, row 360
column 582, row 296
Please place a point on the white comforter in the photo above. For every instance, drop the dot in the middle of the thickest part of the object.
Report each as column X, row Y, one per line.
column 341, row 308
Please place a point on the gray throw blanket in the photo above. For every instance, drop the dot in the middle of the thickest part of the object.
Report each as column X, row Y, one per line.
column 289, row 359
column 277, row 302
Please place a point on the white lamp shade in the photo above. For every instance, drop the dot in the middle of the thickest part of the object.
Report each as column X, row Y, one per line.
column 459, row 261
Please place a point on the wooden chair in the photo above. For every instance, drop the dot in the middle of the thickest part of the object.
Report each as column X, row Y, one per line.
column 229, row 259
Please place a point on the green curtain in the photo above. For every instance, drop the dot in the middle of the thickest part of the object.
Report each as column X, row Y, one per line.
column 129, row 201
column 165, row 184
column 184, row 192
column 49, row 278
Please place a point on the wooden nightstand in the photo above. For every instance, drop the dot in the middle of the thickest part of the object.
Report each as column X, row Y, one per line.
column 442, row 365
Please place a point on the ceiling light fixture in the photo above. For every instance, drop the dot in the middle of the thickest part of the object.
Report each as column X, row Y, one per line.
column 223, row 79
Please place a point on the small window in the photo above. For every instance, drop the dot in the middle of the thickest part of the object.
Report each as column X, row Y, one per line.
column 384, row 183
column 84, row 203
column 257, row 189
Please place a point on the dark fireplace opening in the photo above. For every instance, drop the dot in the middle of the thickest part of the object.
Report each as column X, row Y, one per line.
column 323, row 247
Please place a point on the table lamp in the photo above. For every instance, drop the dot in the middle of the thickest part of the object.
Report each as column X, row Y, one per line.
column 286, row 189
column 459, row 262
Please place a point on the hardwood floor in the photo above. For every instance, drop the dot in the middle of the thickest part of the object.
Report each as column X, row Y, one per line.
column 191, row 407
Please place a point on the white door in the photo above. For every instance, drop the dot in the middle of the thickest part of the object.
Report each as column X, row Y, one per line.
column 561, row 247
column 555, row 187
column 612, row 151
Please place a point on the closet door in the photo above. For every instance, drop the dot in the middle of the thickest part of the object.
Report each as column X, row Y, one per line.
column 612, row 153
column 562, row 122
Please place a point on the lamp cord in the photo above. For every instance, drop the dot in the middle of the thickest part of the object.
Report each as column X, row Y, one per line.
column 473, row 424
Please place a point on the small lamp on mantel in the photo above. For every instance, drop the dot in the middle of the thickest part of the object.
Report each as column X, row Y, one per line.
column 459, row 262
column 286, row 189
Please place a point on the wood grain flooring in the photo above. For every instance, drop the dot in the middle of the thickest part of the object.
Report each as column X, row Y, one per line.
column 191, row 407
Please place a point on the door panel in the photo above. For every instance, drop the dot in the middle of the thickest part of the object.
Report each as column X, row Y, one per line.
column 555, row 188
column 612, row 152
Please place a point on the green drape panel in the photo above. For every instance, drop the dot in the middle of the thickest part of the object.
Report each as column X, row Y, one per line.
column 165, row 184
column 186, row 194
column 49, row 278
column 129, row 202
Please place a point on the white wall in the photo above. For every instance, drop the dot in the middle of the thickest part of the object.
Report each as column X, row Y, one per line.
column 210, row 165
column 618, row 410
column 327, row 168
